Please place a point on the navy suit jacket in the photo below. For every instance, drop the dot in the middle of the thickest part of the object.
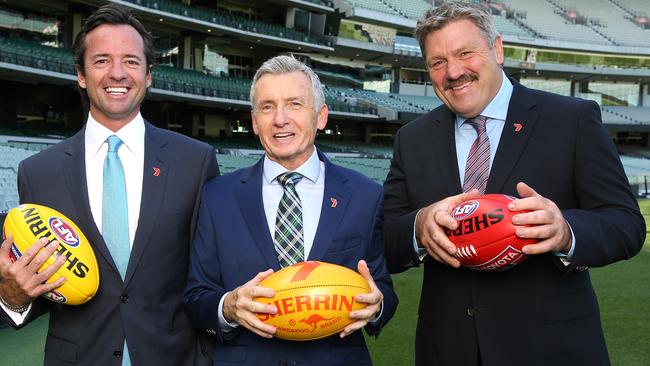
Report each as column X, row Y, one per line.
column 233, row 243
column 146, row 307
column 540, row 312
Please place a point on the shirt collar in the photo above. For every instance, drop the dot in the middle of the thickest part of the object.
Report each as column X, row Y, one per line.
column 132, row 135
column 498, row 107
column 310, row 169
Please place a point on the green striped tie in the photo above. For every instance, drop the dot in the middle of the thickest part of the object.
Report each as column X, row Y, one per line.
column 288, row 239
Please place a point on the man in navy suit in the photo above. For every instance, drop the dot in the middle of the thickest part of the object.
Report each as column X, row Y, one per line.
column 493, row 135
column 238, row 242
column 137, row 316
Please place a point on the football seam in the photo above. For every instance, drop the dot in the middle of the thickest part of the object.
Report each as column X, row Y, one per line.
column 319, row 285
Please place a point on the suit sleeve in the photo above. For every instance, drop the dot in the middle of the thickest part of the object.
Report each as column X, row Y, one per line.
column 39, row 306
column 205, row 285
column 209, row 169
column 377, row 265
column 608, row 226
column 399, row 219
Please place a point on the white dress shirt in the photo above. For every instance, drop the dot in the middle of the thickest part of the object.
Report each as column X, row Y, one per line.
column 310, row 189
column 131, row 154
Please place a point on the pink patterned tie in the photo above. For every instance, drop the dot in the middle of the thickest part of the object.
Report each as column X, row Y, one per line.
column 477, row 169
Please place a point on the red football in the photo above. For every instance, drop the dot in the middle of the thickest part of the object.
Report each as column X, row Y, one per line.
column 485, row 238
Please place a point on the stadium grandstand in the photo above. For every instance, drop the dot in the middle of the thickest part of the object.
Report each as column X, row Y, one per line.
column 363, row 50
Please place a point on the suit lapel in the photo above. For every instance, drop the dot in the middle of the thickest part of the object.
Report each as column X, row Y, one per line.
column 153, row 187
column 249, row 197
column 520, row 121
column 336, row 197
column 75, row 173
column 444, row 143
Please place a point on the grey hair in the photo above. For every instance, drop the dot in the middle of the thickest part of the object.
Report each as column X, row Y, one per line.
column 285, row 64
column 437, row 18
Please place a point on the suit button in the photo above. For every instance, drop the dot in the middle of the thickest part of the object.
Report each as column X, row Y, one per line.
column 470, row 312
column 117, row 354
column 124, row 299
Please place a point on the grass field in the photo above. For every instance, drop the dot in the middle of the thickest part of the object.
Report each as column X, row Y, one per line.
column 623, row 292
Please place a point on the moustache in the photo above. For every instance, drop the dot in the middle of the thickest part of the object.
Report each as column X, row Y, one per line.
column 460, row 80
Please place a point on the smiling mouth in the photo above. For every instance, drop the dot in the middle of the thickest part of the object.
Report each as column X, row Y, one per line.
column 116, row 90
column 462, row 86
column 283, row 135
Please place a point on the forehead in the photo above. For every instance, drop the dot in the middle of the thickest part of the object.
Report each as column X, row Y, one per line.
column 453, row 36
column 283, row 86
column 114, row 39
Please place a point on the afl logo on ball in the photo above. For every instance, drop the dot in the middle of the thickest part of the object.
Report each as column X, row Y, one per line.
column 64, row 232
column 464, row 210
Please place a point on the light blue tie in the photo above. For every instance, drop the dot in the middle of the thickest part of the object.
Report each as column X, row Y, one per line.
column 115, row 215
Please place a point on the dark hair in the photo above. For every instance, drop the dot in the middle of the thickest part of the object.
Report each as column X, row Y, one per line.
column 115, row 15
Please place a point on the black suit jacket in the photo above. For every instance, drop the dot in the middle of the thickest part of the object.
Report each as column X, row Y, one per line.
column 541, row 312
column 146, row 307
column 233, row 243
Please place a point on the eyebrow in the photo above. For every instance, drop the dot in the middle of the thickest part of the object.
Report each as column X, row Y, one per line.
column 107, row 55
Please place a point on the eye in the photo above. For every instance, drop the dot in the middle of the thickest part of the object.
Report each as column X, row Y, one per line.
column 465, row 54
column 295, row 105
column 435, row 65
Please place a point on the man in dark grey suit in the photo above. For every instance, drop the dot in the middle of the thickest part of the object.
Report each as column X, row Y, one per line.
column 550, row 150
column 140, row 231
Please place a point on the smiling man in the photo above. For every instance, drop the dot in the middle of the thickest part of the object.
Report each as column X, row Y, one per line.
column 133, row 189
column 493, row 135
column 293, row 205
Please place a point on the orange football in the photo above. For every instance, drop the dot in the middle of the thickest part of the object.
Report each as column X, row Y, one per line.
column 313, row 299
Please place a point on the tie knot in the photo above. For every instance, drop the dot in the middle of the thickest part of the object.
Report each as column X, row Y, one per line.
column 114, row 143
column 289, row 178
column 478, row 123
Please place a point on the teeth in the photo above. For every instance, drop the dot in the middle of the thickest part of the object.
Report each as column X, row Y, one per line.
column 460, row 86
column 116, row 90
column 283, row 134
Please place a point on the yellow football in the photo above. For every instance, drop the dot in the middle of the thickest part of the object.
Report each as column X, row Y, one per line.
column 29, row 222
column 313, row 299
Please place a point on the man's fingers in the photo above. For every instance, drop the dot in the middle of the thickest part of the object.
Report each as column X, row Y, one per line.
column 543, row 246
column 6, row 247
column 46, row 273
column 42, row 256
column 31, row 252
column 259, row 278
column 353, row 327
column 525, row 190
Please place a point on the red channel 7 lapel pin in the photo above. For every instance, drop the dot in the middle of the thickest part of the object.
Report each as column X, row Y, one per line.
column 156, row 171
column 334, row 202
column 518, row 126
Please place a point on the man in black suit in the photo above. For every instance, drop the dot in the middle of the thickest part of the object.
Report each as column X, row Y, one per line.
column 140, row 232
column 550, row 150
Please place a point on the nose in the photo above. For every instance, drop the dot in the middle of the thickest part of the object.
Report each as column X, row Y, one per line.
column 454, row 69
column 280, row 116
column 117, row 71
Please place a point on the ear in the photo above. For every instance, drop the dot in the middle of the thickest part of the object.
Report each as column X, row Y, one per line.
column 81, row 78
column 149, row 77
column 322, row 117
column 255, row 129
column 498, row 49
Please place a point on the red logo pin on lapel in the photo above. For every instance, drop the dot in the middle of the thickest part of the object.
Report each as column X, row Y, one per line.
column 156, row 171
column 518, row 127
column 334, row 202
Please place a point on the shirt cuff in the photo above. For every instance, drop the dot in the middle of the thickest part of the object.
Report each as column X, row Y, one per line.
column 566, row 258
column 421, row 253
column 17, row 318
column 378, row 315
column 225, row 325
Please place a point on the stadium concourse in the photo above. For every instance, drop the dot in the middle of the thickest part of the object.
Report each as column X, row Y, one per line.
column 363, row 50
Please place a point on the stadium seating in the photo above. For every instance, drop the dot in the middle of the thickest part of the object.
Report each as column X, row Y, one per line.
column 547, row 21
column 20, row 52
column 611, row 20
column 228, row 20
